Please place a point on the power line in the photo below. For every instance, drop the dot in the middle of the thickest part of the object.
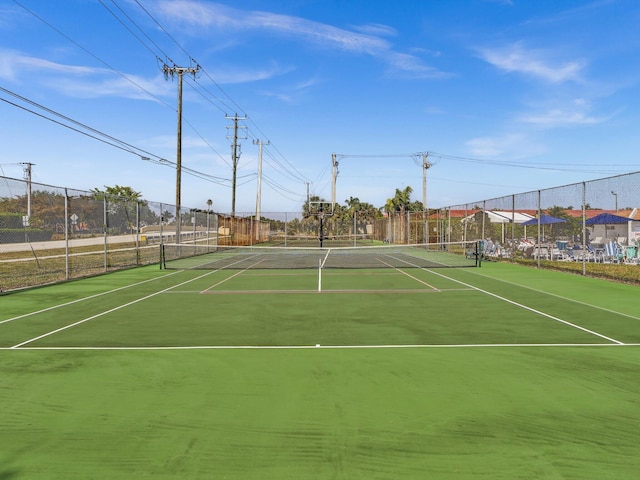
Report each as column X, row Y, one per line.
column 281, row 190
column 164, row 30
column 143, row 43
column 132, row 32
column 96, row 134
column 286, row 167
column 297, row 174
column 555, row 166
column 58, row 31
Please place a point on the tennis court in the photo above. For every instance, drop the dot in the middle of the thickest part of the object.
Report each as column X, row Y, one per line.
column 237, row 365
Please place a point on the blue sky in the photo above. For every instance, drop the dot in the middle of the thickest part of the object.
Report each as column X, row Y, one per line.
column 507, row 96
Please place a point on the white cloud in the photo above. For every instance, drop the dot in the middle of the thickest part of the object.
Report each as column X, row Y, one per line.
column 11, row 63
column 293, row 93
column 80, row 81
column 558, row 117
column 575, row 112
column 409, row 65
column 367, row 40
column 536, row 63
column 485, row 147
column 230, row 75
column 132, row 86
column 514, row 145
column 501, row 2
column 376, row 29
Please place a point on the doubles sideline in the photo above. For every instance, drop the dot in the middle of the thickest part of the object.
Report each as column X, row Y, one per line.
column 431, row 271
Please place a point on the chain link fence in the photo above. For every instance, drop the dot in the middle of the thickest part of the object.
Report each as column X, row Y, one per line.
column 50, row 234
column 584, row 227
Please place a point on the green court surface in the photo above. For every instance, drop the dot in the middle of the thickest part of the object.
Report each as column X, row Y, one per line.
column 499, row 372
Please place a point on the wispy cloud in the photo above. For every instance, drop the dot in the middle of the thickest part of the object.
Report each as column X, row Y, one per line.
column 234, row 75
column 376, row 29
column 576, row 114
column 501, row 2
column 8, row 16
column 535, row 63
column 293, row 93
column 367, row 40
column 79, row 81
column 133, row 87
column 514, row 145
column 11, row 63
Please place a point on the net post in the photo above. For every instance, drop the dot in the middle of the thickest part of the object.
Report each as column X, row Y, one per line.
column 319, row 275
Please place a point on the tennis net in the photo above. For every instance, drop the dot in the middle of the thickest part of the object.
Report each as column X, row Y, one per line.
column 207, row 257
column 282, row 240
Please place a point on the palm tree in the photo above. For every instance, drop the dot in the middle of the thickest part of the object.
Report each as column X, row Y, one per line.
column 400, row 203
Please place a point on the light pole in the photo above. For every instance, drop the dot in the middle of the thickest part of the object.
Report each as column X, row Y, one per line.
column 616, row 196
column 209, row 203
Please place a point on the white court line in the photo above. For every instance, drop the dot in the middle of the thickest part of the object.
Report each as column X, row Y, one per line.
column 520, row 305
column 334, row 347
column 405, row 273
column 109, row 311
column 85, row 298
column 206, row 290
column 417, row 290
column 325, row 259
column 538, row 312
column 579, row 302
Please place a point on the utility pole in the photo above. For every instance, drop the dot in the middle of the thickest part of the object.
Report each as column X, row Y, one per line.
column 260, row 143
column 235, row 156
column 425, row 212
column 179, row 72
column 27, row 174
column 334, row 176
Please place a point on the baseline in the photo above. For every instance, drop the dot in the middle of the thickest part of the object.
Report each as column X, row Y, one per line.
column 336, row 347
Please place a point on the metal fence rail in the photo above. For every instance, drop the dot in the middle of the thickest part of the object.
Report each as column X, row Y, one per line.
column 50, row 234
column 594, row 222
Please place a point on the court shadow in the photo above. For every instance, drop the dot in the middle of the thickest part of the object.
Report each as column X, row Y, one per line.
column 8, row 474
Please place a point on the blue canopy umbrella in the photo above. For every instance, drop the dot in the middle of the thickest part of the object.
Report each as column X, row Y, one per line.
column 543, row 220
column 606, row 219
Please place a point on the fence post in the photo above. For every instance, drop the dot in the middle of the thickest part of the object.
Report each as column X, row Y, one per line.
column 137, row 232
column 161, row 222
column 484, row 214
column 539, row 210
column 66, row 234
column 584, row 228
column 105, row 227
column 408, row 228
column 513, row 219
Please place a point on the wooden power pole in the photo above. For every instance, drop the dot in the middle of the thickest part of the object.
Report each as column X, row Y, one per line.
column 235, row 156
column 179, row 72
